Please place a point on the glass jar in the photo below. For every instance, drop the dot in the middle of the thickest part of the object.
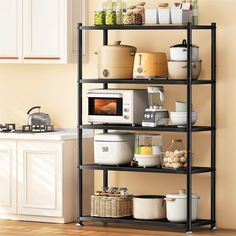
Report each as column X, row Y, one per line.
column 175, row 156
column 141, row 7
column 119, row 12
column 110, row 18
column 138, row 17
column 99, row 18
column 127, row 18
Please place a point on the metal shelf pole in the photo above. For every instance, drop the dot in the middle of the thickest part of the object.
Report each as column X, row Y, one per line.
column 79, row 110
column 189, row 130
column 213, row 124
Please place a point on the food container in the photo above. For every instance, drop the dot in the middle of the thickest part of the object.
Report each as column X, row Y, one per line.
column 127, row 18
column 181, row 106
column 178, row 69
column 110, row 18
column 138, row 17
column 176, row 206
column 178, row 52
column 113, row 148
column 99, row 18
column 164, row 13
column 150, row 65
column 148, row 150
column 141, row 7
column 180, row 13
column 151, row 16
column 180, row 118
column 176, row 156
column 149, row 207
column 116, row 61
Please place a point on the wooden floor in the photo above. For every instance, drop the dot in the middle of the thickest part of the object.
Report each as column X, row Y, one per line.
column 16, row 228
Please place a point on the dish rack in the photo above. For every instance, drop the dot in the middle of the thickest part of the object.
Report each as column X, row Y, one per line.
column 189, row 130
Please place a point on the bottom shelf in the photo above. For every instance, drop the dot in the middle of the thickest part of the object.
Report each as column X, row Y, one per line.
column 160, row 223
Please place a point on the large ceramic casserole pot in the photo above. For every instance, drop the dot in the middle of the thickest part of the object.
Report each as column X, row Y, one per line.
column 178, row 69
column 176, row 206
column 116, row 61
column 149, row 207
column 179, row 52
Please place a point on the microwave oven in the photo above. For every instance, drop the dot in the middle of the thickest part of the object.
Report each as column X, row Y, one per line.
column 116, row 106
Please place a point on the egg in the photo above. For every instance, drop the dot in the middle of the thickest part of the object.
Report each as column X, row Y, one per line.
column 176, row 159
column 177, row 153
column 182, row 159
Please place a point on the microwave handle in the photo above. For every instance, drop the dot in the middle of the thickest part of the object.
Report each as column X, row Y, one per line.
column 107, row 95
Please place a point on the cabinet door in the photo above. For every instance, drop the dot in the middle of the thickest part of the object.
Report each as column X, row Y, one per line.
column 8, row 177
column 40, row 179
column 10, row 31
column 44, row 34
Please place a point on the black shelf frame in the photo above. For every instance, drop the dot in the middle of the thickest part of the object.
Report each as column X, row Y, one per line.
column 189, row 129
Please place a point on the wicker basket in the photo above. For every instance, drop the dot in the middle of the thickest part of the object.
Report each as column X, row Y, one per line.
column 114, row 207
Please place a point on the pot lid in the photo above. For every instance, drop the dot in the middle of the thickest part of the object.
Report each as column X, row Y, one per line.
column 113, row 137
column 117, row 44
column 183, row 45
column 150, row 196
column 181, row 195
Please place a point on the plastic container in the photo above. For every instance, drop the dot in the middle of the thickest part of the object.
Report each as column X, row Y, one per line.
column 99, row 18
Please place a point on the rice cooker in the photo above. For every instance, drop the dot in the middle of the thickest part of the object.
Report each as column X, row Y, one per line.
column 116, row 61
column 151, row 65
column 113, row 148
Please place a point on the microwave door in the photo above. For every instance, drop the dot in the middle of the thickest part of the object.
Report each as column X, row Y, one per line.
column 105, row 106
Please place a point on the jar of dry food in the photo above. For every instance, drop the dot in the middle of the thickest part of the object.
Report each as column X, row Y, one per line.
column 127, row 18
column 99, row 18
column 138, row 17
column 175, row 156
column 141, row 7
column 110, row 18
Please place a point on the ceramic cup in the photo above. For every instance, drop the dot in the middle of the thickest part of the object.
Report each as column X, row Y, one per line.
column 181, row 106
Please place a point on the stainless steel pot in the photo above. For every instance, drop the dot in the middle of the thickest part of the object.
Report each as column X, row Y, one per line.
column 38, row 118
column 116, row 61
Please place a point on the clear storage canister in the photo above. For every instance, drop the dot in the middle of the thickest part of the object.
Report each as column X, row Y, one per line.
column 141, row 7
column 138, row 17
column 127, row 18
column 110, row 18
column 99, row 18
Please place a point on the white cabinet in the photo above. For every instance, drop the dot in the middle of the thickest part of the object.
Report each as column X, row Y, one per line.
column 8, row 177
column 40, row 179
column 10, row 31
column 39, row 31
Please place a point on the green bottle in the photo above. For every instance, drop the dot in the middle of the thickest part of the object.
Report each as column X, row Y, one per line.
column 195, row 12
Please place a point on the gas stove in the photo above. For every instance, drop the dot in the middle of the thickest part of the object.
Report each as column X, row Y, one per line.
column 11, row 128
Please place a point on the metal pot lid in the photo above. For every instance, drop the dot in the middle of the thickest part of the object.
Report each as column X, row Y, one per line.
column 150, row 196
column 182, row 195
column 183, row 45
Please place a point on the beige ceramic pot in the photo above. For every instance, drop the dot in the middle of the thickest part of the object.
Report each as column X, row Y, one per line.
column 178, row 69
column 116, row 61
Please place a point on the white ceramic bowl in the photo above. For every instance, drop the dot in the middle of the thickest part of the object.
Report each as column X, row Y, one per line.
column 180, row 118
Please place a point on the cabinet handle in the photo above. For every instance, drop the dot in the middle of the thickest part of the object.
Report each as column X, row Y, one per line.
column 42, row 58
column 9, row 58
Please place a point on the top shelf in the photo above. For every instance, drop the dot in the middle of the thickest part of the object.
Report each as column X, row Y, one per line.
column 149, row 27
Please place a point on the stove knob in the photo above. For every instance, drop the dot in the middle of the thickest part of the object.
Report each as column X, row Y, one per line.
column 126, row 117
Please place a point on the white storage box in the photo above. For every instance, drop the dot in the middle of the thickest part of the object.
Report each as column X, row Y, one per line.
column 113, row 148
column 181, row 14
column 151, row 16
column 164, row 15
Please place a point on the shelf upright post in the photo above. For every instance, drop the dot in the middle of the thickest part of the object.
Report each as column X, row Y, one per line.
column 213, row 125
column 79, row 128
column 189, row 129
column 105, row 86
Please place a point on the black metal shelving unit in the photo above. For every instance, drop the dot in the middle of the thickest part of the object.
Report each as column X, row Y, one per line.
column 189, row 130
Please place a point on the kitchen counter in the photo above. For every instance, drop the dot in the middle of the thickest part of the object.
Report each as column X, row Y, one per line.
column 58, row 135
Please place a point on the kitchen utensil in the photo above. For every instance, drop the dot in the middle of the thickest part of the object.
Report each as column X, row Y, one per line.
column 148, row 150
column 113, row 148
column 180, row 118
column 149, row 207
column 155, row 115
column 178, row 52
column 38, row 118
column 178, row 69
column 176, row 206
column 151, row 65
column 116, row 61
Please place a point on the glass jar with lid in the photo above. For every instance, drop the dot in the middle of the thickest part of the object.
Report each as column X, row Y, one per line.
column 175, row 156
column 141, row 7
column 138, row 16
column 110, row 18
column 99, row 18
column 127, row 18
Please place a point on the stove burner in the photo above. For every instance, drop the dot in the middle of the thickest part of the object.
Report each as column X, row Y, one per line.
column 7, row 128
column 27, row 128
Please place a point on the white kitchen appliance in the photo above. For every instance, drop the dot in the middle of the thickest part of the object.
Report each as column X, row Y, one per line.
column 155, row 115
column 116, row 106
column 113, row 148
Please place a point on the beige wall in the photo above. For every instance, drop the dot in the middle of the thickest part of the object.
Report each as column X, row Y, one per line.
column 54, row 87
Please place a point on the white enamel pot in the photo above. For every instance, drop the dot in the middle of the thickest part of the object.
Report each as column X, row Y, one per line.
column 176, row 206
column 179, row 52
column 149, row 207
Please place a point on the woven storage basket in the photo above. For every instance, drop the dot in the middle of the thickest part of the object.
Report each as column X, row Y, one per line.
column 114, row 207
